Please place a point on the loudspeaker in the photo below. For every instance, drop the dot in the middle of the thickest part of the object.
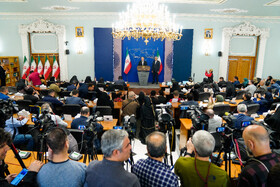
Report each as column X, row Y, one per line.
column 220, row 54
column 67, row 52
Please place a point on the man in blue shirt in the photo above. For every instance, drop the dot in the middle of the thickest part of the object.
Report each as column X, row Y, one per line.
column 75, row 99
column 190, row 101
column 12, row 125
column 84, row 88
column 152, row 171
column 275, row 86
column 81, row 121
column 3, row 93
column 241, row 117
column 51, row 99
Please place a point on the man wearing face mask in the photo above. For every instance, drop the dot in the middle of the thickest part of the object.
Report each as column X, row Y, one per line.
column 255, row 172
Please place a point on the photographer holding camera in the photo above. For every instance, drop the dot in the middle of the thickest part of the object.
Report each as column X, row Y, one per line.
column 130, row 105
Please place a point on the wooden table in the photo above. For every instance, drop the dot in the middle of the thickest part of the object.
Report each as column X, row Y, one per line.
column 14, row 166
column 186, row 125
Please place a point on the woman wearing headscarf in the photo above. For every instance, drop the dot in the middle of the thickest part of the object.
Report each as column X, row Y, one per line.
column 230, row 90
column 245, row 82
column 268, row 80
column 88, row 79
column 147, row 119
column 219, row 100
column 74, row 79
column 265, row 103
column 209, row 75
column 104, row 100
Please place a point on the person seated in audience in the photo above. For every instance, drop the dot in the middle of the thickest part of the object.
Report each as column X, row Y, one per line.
column 219, row 100
column 247, row 99
column 118, row 97
column 120, row 81
column 60, row 171
column 214, row 120
column 230, row 90
column 74, row 79
column 257, row 144
column 190, row 100
column 88, row 79
column 190, row 81
column 265, row 102
column 147, row 113
column 151, row 169
column 84, row 89
column 273, row 120
column 161, row 98
column 236, row 82
column 274, row 87
column 268, row 81
column 197, row 170
column 43, row 79
column 51, row 99
column 30, row 179
column 75, row 85
column 215, row 87
column 105, row 100
column 82, row 120
column 261, row 87
column 4, row 92
column 130, row 105
column 242, row 116
column 273, row 178
column 20, row 85
column 256, row 81
column 209, row 75
column 154, row 98
column 176, row 97
column 55, row 87
column 11, row 126
column 175, row 86
column 222, row 82
column 101, row 80
column 31, row 95
column 34, row 77
column 195, row 91
column 245, row 83
column 251, row 88
column 116, row 148
column 75, row 99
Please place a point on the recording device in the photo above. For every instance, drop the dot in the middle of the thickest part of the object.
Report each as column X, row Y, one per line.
column 246, row 123
column 7, row 109
column 164, row 117
column 75, row 156
column 19, row 177
column 44, row 121
column 24, row 154
column 36, row 110
column 129, row 124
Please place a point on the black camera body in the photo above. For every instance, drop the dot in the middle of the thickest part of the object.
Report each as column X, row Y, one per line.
column 7, row 109
column 164, row 117
column 129, row 124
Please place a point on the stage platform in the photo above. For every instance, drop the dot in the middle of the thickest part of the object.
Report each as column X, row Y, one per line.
column 134, row 86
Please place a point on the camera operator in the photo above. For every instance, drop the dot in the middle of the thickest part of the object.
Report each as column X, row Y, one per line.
column 257, row 143
column 130, row 105
column 198, row 171
column 214, row 120
column 11, row 126
column 30, row 179
column 241, row 117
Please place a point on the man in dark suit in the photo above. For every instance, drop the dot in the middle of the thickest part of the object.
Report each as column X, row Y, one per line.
column 155, row 70
column 2, row 75
column 142, row 62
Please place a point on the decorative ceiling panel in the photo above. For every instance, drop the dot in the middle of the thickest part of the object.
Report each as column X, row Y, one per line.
column 162, row 1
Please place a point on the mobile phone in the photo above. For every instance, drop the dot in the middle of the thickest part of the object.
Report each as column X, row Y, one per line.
column 246, row 123
column 220, row 129
column 19, row 177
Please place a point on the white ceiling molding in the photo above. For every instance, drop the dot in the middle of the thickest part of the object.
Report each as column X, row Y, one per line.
column 273, row 3
column 229, row 10
column 245, row 29
column 162, row 1
column 60, row 8
column 13, row 1
column 41, row 26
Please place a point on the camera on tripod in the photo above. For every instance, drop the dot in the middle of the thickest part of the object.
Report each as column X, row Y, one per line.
column 129, row 124
column 7, row 109
column 164, row 117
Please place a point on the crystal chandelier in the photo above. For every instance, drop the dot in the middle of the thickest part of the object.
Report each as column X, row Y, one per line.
column 148, row 20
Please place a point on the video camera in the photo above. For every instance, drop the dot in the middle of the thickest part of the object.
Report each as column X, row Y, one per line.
column 44, row 121
column 164, row 117
column 195, row 113
column 129, row 123
column 7, row 109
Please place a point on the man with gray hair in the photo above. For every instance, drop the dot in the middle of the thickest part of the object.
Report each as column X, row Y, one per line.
column 214, row 120
column 116, row 148
column 130, row 105
column 241, row 117
column 198, row 171
column 150, row 171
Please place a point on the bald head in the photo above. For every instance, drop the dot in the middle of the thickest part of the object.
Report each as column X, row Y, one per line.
column 210, row 113
column 156, row 144
column 131, row 95
column 256, row 138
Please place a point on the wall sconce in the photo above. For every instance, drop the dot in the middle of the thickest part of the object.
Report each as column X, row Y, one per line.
column 207, row 47
column 80, row 45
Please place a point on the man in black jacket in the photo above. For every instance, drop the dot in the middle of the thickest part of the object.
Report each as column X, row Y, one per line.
column 142, row 62
column 155, row 70
column 2, row 75
column 29, row 179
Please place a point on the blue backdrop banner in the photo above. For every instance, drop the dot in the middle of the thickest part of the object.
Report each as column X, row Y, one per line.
column 136, row 49
column 182, row 58
column 103, row 53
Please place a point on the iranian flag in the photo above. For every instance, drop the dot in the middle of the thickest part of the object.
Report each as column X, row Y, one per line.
column 40, row 66
column 25, row 69
column 33, row 65
column 56, row 69
column 47, row 68
column 160, row 68
column 127, row 65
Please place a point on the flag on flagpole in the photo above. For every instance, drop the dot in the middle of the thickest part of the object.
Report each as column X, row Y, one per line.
column 33, row 65
column 160, row 68
column 56, row 69
column 47, row 68
column 40, row 66
column 127, row 65
column 25, row 69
